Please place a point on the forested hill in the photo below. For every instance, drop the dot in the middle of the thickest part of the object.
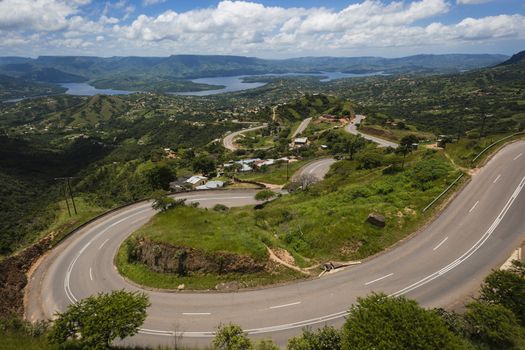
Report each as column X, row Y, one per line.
column 76, row 68
column 517, row 58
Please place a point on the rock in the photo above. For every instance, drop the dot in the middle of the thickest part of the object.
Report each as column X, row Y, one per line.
column 377, row 220
column 180, row 287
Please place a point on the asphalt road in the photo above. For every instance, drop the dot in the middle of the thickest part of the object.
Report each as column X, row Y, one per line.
column 352, row 129
column 317, row 168
column 302, row 127
column 227, row 141
column 440, row 266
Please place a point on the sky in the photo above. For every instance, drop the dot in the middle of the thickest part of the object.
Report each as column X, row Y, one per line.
column 261, row 28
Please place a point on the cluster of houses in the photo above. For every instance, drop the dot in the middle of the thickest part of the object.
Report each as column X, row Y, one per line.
column 196, row 182
column 247, row 165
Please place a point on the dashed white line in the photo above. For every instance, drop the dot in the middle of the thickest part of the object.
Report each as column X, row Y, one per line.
column 196, row 313
column 106, row 241
column 378, row 279
column 473, row 207
column 440, row 244
column 519, row 155
column 285, row 305
column 90, row 274
column 496, row 180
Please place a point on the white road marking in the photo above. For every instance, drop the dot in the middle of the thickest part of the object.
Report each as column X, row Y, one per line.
column 473, row 207
column 196, row 313
column 285, row 305
column 91, row 273
column 519, row 155
column 440, row 244
column 379, row 279
column 341, row 314
column 469, row 252
column 496, row 180
column 106, row 241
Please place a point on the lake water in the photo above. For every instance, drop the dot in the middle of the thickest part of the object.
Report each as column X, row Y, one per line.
column 235, row 83
column 231, row 84
column 83, row 89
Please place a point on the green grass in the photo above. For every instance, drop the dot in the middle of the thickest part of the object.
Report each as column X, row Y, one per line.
column 463, row 151
column 207, row 230
column 395, row 135
column 14, row 341
column 63, row 223
column 327, row 222
column 276, row 174
column 255, row 140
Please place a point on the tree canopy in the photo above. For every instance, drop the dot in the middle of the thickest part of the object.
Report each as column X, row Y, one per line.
column 98, row 320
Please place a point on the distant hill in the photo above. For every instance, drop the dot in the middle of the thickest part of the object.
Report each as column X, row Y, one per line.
column 517, row 58
column 13, row 87
column 171, row 73
column 195, row 66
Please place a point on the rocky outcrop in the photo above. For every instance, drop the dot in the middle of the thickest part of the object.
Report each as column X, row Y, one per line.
column 167, row 258
column 376, row 220
column 13, row 277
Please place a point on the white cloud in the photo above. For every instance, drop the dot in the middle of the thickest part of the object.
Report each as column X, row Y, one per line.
column 246, row 27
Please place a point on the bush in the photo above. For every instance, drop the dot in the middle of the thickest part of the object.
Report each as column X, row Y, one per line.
column 506, row 288
column 231, row 337
column 381, row 322
column 98, row 320
column 326, row 338
column 264, row 195
column 494, row 325
column 220, row 208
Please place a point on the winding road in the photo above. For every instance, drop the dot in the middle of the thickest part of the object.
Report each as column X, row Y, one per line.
column 440, row 266
column 228, row 140
column 352, row 129
column 302, row 127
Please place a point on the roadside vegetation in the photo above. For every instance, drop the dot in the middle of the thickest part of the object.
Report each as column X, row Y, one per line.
column 493, row 321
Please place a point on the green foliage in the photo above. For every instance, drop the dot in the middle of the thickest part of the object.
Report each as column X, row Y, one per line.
column 264, row 195
column 344, row 143
column 265, row 344
column 231, row 337
column 326, row 338
column 162, row 202
column 506, row 288
column 495, row 326
column 205, row 165
column 160, row 177
column 98, row 320
column 381, row 322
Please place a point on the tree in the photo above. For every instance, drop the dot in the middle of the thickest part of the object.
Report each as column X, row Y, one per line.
column 162, row 202
column 160, row 177
column 264, row 195
column 494, row 325
column 506, row 288
column 326, row 338
column 205, row 165
column 382, row 322
column 354, row 143
column 98, row 320
column 406, row 146
column 231, row 337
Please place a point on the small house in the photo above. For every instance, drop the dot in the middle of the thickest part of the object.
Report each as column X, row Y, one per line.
column 196, row 180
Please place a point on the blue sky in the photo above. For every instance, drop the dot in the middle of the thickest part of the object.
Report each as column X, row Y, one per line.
column 270, row 28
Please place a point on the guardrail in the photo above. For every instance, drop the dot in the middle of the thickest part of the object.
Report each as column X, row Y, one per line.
column 443, row 193
column 493, row 144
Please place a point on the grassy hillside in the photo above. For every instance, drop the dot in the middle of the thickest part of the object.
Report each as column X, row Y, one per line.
column 313, row 106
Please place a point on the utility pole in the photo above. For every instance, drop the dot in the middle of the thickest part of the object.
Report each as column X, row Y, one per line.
column 65, row 197
column 67, row 187
column 71, row 194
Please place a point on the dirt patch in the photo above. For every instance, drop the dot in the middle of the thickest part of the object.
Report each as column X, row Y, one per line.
column 13, row 276
column 284, row 255
column 167, row 258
